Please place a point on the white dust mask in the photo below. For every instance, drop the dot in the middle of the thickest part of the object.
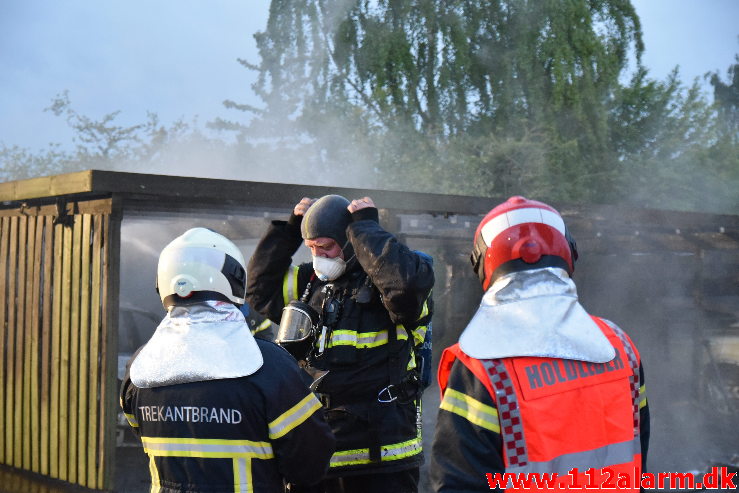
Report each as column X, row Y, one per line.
column 328, row 269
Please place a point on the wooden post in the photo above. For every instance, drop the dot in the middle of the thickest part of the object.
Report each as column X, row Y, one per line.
column 4, row 239
column 109, row 387
column 46, row 343
column 56, row 337
column 84, row 352
column 93, row 408
column 64, row 355
column 19, row 456
column 74, row 348
column 35, row 311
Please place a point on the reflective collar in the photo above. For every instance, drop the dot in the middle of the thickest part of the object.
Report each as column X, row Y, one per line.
column 534, row 313
column 206, row 341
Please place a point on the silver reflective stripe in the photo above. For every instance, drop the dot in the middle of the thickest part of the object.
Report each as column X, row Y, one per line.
column 343, row 338
column 641, row 401
column 608, row 455
column 419, row 334
column 294, row 416
column 363, row 340
column 242, row 476
column 387, row 453
column 372, row 339
column 263, row 326
column 263, row 449
column 131, row 420
column 290, row 285
column 156, row 486
column 470, row 409
column 241, row 453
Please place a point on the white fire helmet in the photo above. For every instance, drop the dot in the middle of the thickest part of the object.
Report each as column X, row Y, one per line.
column 201, row 265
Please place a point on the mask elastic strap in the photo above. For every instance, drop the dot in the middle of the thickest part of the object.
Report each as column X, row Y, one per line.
column 353, row 253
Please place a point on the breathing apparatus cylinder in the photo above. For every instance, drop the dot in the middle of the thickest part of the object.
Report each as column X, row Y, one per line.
column 297, row 329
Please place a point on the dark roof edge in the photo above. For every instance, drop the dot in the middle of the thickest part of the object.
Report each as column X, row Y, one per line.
column 181, row 189
column 99, row 182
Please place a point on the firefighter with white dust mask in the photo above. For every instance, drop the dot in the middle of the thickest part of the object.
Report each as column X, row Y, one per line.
column 356, row 316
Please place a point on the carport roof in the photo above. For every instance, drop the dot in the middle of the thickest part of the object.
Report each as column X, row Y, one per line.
column 601, row 227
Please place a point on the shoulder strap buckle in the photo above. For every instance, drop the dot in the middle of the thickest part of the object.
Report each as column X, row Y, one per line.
column 386, row 395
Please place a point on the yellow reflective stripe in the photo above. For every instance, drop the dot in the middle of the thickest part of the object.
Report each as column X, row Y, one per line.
column 154, row 473
column 290, row 285
column 203, row 441
column 363, row 340
column 241, row 452
column 424, row 310
column 131, row 420
column 391, row 452
column 343, row 338
column 238, row 474
column 412, row 361
column 419, row 334
column 597, row 458
column 471, row 409
column 294, row 416
column 642, row 400
column 263, row 326
column 242, row 475
column 212, row 448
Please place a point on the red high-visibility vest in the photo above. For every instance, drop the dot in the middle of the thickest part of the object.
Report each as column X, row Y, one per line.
column 558, row 414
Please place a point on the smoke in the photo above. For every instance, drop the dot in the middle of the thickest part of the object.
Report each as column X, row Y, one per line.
column 651, row 296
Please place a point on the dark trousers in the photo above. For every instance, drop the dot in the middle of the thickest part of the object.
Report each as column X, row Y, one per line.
column 393, row 482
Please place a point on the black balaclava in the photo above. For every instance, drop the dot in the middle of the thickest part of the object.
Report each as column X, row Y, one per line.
column 327, row 217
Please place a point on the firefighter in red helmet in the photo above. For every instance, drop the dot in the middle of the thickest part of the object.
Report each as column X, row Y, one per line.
column 536, row 384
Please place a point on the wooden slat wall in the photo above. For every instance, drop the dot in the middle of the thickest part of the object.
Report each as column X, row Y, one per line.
column 56, row 380
column 4, row 241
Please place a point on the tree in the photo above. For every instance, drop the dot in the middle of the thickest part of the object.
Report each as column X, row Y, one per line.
column 726, row 96
column 425, row 86
column 674, row 148
column 97, row 143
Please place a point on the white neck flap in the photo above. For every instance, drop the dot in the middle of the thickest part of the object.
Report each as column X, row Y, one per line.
column 534, row 313
column 206, row 341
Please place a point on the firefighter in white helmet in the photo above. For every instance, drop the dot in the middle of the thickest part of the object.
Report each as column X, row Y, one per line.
column 216, row 409
column 536, row 384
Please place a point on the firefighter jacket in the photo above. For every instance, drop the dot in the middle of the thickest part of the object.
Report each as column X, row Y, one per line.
column 375, row 316
column 541, row 415
column 221, row 435
column 260, row 326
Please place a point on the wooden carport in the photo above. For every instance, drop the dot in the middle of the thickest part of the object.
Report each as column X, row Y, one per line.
column 60, row 246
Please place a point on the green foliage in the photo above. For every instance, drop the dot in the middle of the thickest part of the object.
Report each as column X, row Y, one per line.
column 726, row 96
column 457, row 86
column 481, row 97
column 17, row 163
column 675, row 148
column 486, row 97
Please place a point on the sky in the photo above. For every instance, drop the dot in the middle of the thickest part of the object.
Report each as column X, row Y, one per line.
column 178, row 58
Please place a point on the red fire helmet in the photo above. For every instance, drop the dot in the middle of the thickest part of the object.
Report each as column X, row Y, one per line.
column 521, row 234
